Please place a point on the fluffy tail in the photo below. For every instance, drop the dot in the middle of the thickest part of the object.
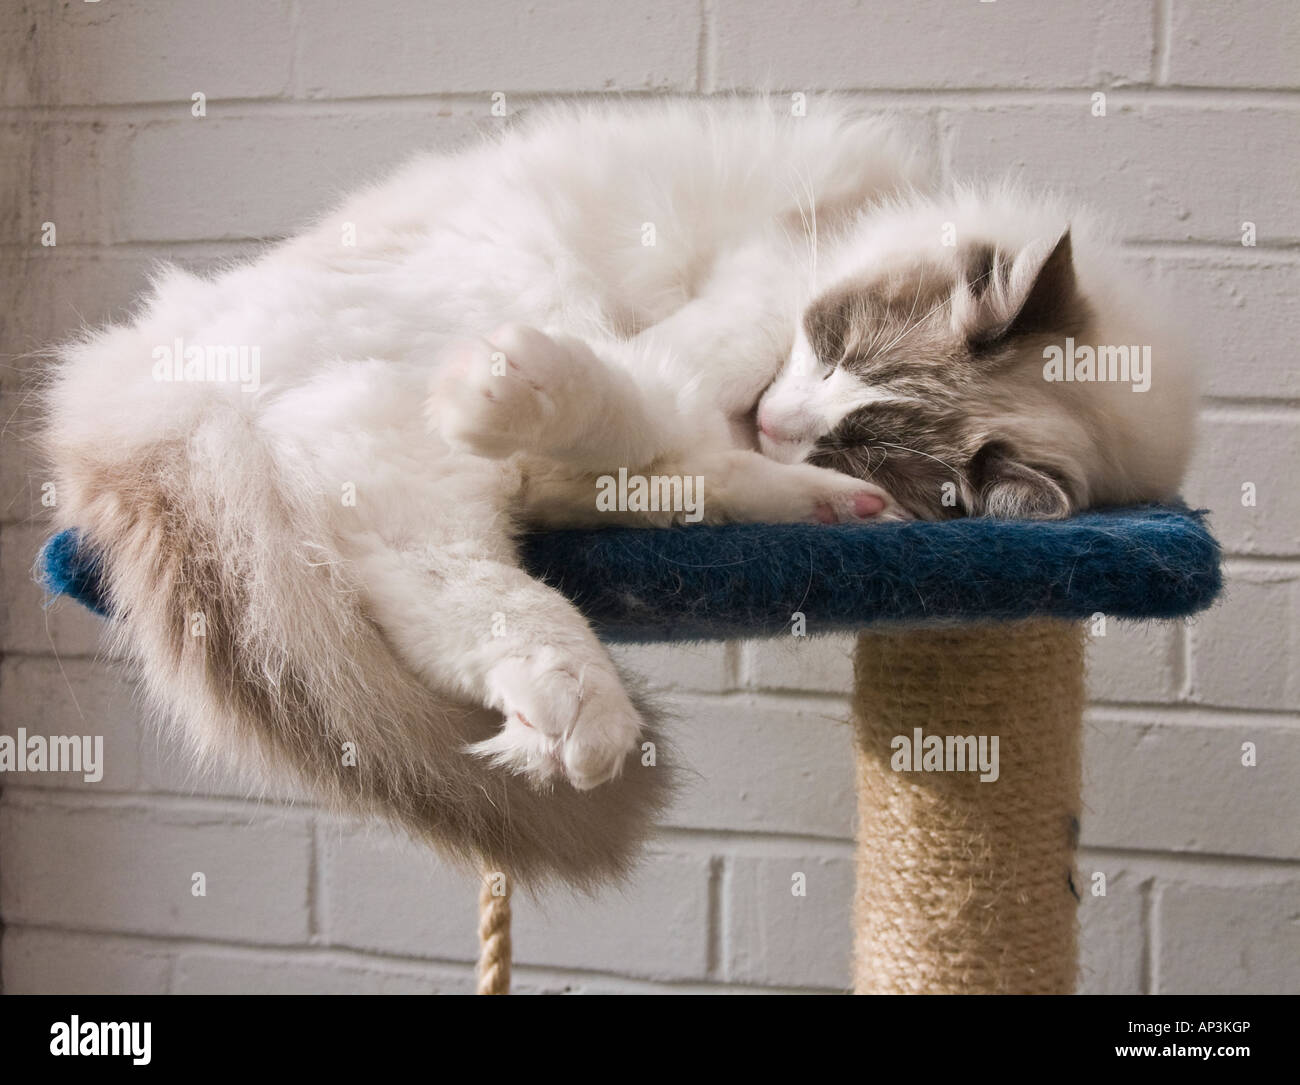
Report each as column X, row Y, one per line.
column 227, row 589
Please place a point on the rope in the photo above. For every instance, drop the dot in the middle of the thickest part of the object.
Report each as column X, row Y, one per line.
column 965, row 886
column 494, row 934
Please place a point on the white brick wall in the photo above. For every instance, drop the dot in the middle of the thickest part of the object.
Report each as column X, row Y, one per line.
column 1201, row 854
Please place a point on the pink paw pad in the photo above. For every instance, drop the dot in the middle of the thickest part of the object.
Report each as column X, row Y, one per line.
column 865, row 505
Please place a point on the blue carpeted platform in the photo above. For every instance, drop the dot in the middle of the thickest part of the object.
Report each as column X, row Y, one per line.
column 745, row 580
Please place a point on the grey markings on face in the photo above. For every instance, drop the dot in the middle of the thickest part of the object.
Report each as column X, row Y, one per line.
column 897, row 333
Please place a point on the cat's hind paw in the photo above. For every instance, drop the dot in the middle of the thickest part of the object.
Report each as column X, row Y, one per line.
column 563, row 720
column 496, row 396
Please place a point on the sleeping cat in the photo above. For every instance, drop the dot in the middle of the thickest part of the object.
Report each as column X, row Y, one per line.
column 312, row 556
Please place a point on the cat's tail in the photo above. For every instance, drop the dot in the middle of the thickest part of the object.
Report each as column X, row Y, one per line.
column 247, row 628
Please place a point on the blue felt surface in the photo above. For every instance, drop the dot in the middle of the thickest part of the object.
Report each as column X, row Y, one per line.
column 748, row 579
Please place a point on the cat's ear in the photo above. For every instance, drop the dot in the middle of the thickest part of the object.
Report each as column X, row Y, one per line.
column 1002, row 485
column 1042, row 294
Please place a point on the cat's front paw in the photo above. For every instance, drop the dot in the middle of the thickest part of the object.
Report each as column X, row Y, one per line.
column 496, row 396
column 829, row 497
column 564, row 719
column 754, row 489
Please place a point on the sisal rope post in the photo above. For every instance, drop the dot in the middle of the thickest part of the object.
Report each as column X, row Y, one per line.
column 965, row 886
column 494, row 934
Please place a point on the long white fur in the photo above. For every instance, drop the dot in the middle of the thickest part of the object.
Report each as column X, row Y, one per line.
column 665, row 251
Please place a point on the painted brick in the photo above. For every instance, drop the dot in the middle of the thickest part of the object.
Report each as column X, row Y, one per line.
column 383, row 893
column 260, row 972
column 1164, row 172
column 1240, row 312
column 765, row 766
column 930, row 43
column 657, row 926
column 819, row 664
column 774, row 937
column 528, row 981
column 107, row 867
column 94, row 53
column 428, row 906
column 1135, row 661
column 75, row 697
column 45, row 962
column 1240, row 939
column 20, row 482
column 1179, row 785
column 19, row 64
column 496, row 45
column 264, row 175
column 67, row 169
column 705, row 667
column 1239, row 446
column 1244, row 649
column 1238, row 45
column 1111, row 934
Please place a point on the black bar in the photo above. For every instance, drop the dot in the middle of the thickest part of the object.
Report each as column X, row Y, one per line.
column 432, row 1037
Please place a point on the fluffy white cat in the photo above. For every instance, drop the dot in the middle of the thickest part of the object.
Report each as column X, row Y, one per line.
column 315, row 551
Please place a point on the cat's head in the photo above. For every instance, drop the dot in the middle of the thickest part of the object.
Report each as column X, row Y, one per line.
column 926, row 375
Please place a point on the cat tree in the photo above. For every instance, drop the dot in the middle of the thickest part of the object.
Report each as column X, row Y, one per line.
column 968, row 627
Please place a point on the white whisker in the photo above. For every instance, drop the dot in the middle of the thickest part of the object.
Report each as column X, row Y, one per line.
column 918, row 452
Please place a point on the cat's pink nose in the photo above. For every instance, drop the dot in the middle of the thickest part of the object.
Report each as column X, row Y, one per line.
column 766, row 427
